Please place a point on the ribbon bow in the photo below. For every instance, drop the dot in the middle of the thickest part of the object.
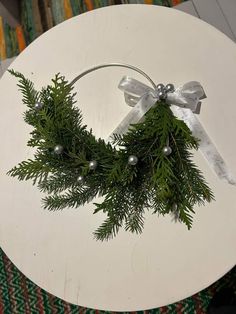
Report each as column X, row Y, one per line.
column 186, row 96
column 186, row 103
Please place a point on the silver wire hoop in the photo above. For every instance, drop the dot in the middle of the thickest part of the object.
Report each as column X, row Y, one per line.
column 113, row 65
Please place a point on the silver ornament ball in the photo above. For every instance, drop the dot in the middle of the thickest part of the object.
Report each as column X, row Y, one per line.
column 58, row 149
column 160, row 87
column 93, row 164
column 132, row 160
column 162, row 94
column 167, row 150
column 38, row 106
column 170, row 88
column 80, row 179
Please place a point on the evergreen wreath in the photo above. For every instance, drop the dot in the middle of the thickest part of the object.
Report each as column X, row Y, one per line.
column 148, row 168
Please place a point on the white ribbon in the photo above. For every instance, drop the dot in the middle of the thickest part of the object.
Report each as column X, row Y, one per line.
column 142, row 97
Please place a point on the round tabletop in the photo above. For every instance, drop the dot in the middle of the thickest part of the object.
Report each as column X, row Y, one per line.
column 56, row 250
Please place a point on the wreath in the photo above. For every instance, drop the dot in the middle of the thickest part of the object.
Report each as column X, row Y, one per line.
column 150, row 167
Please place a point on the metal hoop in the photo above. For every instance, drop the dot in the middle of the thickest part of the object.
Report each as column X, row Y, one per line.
column 113, row 65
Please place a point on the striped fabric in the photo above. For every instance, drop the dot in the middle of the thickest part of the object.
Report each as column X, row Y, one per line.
column 18, row 295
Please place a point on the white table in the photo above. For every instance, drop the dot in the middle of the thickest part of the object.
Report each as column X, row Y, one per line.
column 56, row 250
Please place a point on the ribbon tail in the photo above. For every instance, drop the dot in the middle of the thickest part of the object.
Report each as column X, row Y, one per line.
column 134, row 116
column 207, row 148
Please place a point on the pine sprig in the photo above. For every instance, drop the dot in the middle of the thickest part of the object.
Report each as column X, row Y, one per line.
column 30, row 169
column 72, row 198
column 108, row 229
column 30, row 96
column 159, row 182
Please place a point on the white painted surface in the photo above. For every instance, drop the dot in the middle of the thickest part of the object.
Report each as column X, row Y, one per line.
column 56, row 250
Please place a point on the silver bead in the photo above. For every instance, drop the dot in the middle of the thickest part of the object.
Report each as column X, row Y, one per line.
column 167, row 150
column 132, row 160
column 80, row 179
column 38, row 106
column 162, row 94
column 93, row 164
column 58, row 149
column 160, row 87
column 170, row 88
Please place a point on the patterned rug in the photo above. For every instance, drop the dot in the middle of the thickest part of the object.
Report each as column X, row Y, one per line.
column 19, row 295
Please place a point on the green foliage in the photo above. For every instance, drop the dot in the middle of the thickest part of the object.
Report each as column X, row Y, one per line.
column 160, row 183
